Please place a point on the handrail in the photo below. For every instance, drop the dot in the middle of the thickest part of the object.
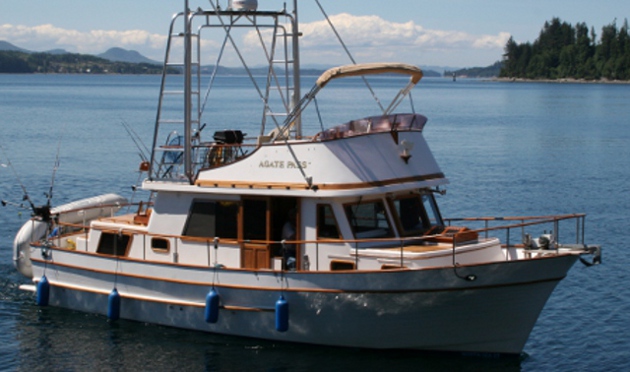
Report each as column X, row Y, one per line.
column 538, row 221
column 356, row 245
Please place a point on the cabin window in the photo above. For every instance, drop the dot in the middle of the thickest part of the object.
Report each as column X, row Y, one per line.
column 431, row 208
column 411, row 216
column 114, row 244
column 160, row 245
column 326, row 223
column 369, row 220
column 209, row 219
column 416, row 214
column 336, row 265
column 255, row 218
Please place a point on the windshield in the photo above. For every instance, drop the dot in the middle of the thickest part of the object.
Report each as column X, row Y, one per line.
column 417, row 214
column 368, row 220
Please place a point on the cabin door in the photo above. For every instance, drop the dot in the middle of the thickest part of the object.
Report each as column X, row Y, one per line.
column 254, row 233
column 264, row 224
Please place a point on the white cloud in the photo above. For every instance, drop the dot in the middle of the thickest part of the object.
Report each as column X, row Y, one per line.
column 376, row 39
column 370, row 38
column 47, row 37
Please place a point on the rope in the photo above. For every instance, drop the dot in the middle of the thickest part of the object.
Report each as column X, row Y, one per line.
column 367, row 84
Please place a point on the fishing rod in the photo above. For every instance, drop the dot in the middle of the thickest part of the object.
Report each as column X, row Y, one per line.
column 43, row 211
column 25, row 196
column 143, row 150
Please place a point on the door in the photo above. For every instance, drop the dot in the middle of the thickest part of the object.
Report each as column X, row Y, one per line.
column 254, row 232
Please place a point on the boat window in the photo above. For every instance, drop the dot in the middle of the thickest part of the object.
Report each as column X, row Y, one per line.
column 211, row 219
column 255, row 218
column 431, row 208
column 113, row 243
column 160, row 245
column 337, row 265
column 368, row 220
column 411, row 216
column 416, row 214
column 326, row 223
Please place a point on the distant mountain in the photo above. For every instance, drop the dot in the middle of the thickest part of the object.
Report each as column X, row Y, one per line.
column 477, row 72
column 57, row 51
column 124, row 55
column 430, row 73
column 439, row 69
column 4, row 45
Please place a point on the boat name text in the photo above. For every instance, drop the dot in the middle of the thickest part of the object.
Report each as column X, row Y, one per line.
column 281, row 164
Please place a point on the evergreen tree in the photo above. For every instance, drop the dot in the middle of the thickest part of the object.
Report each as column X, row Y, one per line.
column 564, row 51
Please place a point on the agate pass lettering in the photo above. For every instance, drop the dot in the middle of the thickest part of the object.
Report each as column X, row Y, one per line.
column 281, row 164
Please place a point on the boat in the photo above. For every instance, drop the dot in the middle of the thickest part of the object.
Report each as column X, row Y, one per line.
column 327, row 238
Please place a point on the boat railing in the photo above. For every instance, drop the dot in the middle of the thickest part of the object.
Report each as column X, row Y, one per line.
column 374, row 124
column 450, row 238
column 522, row 223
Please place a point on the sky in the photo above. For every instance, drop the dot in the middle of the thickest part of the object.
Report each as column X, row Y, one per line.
column 449, row 33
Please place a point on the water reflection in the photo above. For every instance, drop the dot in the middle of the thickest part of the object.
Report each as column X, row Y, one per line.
column 67, row 340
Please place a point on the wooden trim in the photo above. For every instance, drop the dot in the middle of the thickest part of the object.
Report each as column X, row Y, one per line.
column 322, row 186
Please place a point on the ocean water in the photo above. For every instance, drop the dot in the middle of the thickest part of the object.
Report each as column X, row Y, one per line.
column 507, row 149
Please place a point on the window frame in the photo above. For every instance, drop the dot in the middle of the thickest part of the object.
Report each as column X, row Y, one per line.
column 369, row 233
column 204, row 224
column 319, row 209
column 111, row 251
column 160, row 250
column 427, row 225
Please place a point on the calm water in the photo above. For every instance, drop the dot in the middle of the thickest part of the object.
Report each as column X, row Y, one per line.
column 508, row 149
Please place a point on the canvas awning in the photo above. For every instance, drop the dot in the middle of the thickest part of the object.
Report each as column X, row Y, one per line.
column 370, row 69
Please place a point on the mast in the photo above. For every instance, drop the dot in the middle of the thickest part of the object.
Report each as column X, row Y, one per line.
column 296, row 68
column 187, row 95
column 176, row 158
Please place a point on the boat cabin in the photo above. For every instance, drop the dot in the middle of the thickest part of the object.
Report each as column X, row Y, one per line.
column 269, row 232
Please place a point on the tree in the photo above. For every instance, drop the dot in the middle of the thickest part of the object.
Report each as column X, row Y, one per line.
column 564, row 51
column 13, row 62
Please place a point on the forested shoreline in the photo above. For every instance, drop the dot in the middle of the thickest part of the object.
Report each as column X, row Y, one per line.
column 70, row 63
column 563, row 51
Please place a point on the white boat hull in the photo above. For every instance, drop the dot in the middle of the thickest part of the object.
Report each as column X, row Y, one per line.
column 430, row 309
